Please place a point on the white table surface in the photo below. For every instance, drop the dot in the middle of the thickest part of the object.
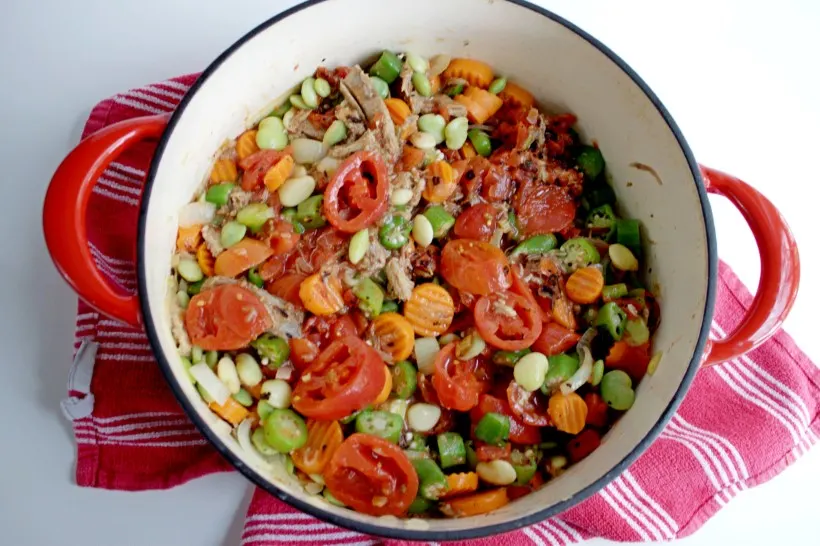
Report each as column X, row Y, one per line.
column 740, row 77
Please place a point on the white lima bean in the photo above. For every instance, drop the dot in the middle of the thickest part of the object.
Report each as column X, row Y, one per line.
column 248, row 370
column 226, row 371
column 622, row 258
column 422, row 230
column 438, row 64
column 423, row 417
column 322, row 87
column 401, row 196
column 278, row 393
column 455, row 133
column 271, row 134
column 307, row 150
column 298, row 170
column 433, row 124
column 189, row 270
column 309, row 94
column 497, row 472
column 336, row 133
column 358, row 246
column 423, row 141
column 296, row 190
column 531, row 370
column 417, row 63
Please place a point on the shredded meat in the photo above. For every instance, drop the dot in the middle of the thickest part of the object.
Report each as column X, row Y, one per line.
column 375, row 258
column 359, row 86
column 424, row 261
column 237, row 200
column 454, row 109
column 352, row 118
column 366, row 142
column 413, row 181
column 285, row 317
column 212, row 239
column 301, row 126
column 399, row 283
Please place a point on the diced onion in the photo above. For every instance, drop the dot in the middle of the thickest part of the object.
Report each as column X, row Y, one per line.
column 327, row 165
column 581, row 376
column 307, row 151
column 196, row 213
column 285, row 372
column 210, row 383
column 243, row 436
column 426, row 349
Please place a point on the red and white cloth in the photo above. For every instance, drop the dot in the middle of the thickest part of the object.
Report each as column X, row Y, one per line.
column 741, row 424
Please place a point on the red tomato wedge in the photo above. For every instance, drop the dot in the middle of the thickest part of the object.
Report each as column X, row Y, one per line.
column 583, row 444
column 543, row 209
column 530, row 407
column 475, row 267
column 507, row 321
column 287, row 288
column 226, row 318
column 347, row 376
column 357, row 193
column 257, row 164
column 519, row 432
column 597, row 409
column 372, row 476
column 454, row 380
column 555, row 339
column 302, row 353
column 477, row 222
column 486, row 452
column 632, row 360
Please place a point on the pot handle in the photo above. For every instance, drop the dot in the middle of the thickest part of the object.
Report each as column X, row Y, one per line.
column 779, row 268
column 66, row 205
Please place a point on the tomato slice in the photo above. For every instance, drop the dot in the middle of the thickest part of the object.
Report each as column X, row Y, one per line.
column 519, row 432
column 475, row 267
column 597, row 410
column 287, row 288
column 357, row 194
column 477, row 222
column 372, row 476
column 486, row 452
column 543, row 209
column 530, row 407
column 454, row 380
column 347, row 376
column 257, row 164
column 555, row 339
column 226, row 318
column 507, row 321
column 583, row 444
column 520, row 287
column 302, row 353
column 279, row 235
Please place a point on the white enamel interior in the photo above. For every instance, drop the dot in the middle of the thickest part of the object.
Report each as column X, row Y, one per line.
column 564, row 72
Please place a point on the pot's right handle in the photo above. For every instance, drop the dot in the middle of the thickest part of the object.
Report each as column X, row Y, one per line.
column 779, row 268
column 66, row 204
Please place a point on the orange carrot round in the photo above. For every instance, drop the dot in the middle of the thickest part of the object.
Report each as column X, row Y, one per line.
column 585, row 285
column 517, row 95
column 441, row 182
column 246, row 144
column 459, row 484
column 324, row 437
column 476, row 504
column 321, row 296
column 481, row 105
column 388, row 386
column 429, row 310
column 277, row 174
column 224, row 170
column 568, row 412
column 205, row 260
column 232, row 411
column 394, row 336
column 399, row 111
column 475, row 72
column 188, row 238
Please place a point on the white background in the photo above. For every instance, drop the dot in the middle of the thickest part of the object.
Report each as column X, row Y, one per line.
column 740, row 77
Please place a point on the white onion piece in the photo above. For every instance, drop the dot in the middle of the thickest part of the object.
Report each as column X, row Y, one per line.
column 581, row 376
column 243, row 436
column 328, row 165
column 285, row 372
column 307, row 150
column 426, row 349
column 196, row 213
column 208, row 380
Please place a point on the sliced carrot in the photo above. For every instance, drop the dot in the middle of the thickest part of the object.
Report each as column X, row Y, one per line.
column 224, row 170
column 398, row 110
column 287, row 287
column 476, row 504
column 321, row 296
column 388, row 386
column 475, row 72
column 242, row 256
column 394, row 336
column 246, row 144
column 411, row 157
column 277, row 174
column 205, row 260
column 435, row 84
column 232, row 411
column 459, row 484
column 481, row 105
column 562, row 312
column 188, row 238
column 467, row 151
column 517, row 95
column 585, row 285
column 429, row 310
column 568, row 412
column 324, row 438
column 441, row 182
column 255, row 391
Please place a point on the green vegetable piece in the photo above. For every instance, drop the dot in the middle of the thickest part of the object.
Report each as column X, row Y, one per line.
column 451, row 449
column 254, row 216
column 275, row 349
column 282, row 109
column 190, row 271
column 579, row 252
column 422, row 84
column 309, row 212
column 597, row 373
column 493, row 428
column 612, row 318
column 453, row 90
column 440, row 219
column 380, row 423
column 637, row 332
column 243, row 397
column 298, row 102
column 455, row 133
column 387, row 67
column 481, row 142
column 264, row 409
column 561, row 368
column 336, row 133
column 218, row 193
column 271, row 133
column 381, row 86
column 419, row 505
column 330, row 498
column 390, row 306
column 417, row 442
column 322, row 87
column 350, row 418
column 404, row 379
column 509, row 358
column 516, row 231
column 628, row 233
column 309, row 95
column 370, row 297
column 472, row 456
column 395, row 232
column 197, row 354
column 603, row 217
column 289, row 214
column 591, row 161
column 433, row 124
column 232, row 233
column 540, row 244
column 285, row 430
column 497, row 86
column 211, row 358
column 254, row 278
column 432, row 481
column 261, row 444
column 195, row 287
column 525, row 465
column 614, row 291
column 186, row 363
column 616, row 390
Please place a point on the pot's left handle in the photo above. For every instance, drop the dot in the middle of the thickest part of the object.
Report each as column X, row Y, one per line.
column 66, row 204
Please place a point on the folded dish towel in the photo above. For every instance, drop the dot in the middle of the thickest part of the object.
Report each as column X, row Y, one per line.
column 742, row 423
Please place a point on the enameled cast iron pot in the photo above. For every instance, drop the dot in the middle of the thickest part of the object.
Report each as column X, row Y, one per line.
column 567, row 70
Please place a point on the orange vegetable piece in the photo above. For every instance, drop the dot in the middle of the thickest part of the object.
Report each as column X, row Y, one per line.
column 459, row 484
column 324, row 438
column 394, row 336
column 476, row 504
column 246, row 144
column 224, row 170
column 476, row 73
column 255, row 391
column 321, row 296
column 277, row 174
column 517, row 95
column 242, row 256
column 388, row 386
column 411, row 157
column 585, row 285
column 467, row 151
column 481, row 105
column 205, row 260
column 568, row 412
column 435, row 84
column 562, row 312
column 429, row 310
column 398, row 110
column 441, row 182
column 188, row 238
column 287, row 287
column 232, row 411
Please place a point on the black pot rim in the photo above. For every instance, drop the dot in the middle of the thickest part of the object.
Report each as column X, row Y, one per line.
column 415, row 534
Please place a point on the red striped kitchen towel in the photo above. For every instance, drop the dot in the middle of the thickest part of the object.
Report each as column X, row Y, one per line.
column 742, row 423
